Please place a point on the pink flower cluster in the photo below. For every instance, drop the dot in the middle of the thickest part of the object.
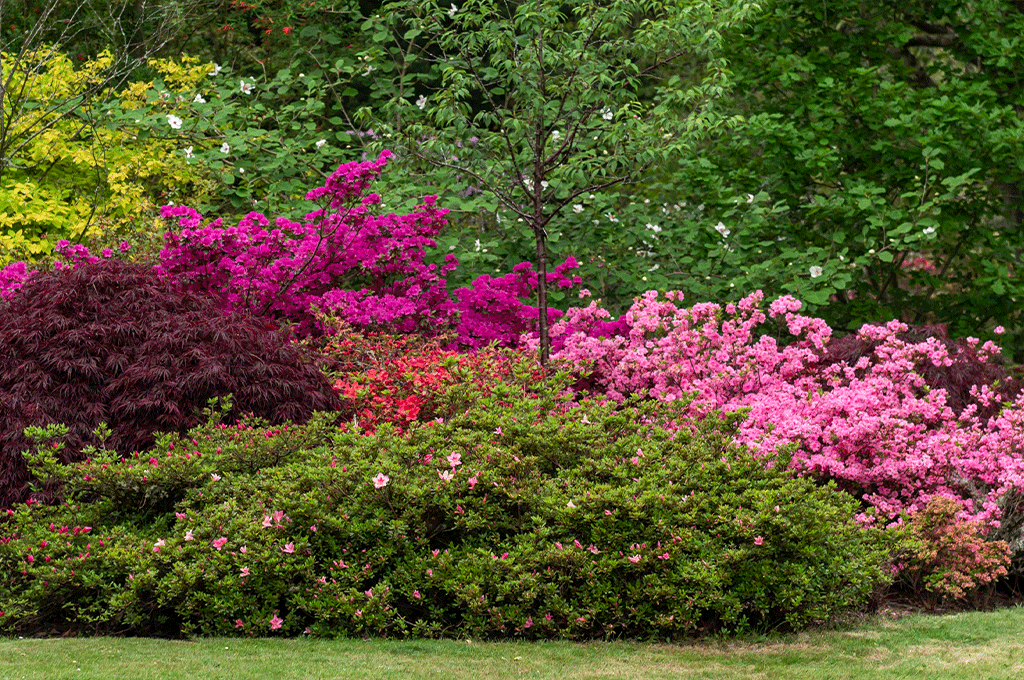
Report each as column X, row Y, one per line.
column 873, row 427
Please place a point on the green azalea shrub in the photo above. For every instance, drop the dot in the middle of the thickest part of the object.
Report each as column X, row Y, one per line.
column 517, row 513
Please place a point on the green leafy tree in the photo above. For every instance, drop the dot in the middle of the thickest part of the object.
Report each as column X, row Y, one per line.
column 539, row 103
column 883, row 141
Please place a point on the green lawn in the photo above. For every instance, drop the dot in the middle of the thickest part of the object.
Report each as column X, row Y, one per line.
column 973, row 646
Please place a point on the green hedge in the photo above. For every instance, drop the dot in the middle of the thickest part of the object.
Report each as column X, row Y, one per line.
column 559, row 521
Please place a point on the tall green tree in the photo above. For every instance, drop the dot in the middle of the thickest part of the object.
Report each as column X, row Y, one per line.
column 885, row 142
column 541, row 102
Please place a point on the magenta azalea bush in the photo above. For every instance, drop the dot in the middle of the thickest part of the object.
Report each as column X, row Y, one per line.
column 874, row 427
column 365, row 268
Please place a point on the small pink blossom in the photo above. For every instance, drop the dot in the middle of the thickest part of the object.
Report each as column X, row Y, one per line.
column 238, row 623
column 472, row 481
column 381, row 480
column 215, row 477
column 445, row 475
column 159, row 544
column 416, row 594
column 634, row 558
column 276, row 622
column 455, row 459
column 288, row 548
column 188, row 535
column 758, row 540
column 218, row 543
column 244, row 571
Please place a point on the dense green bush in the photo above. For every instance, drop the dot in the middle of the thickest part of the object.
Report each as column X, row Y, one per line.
column 517, row 513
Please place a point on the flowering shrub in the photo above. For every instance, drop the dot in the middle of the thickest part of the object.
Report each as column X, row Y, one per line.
column 520, row 515
column 366, row 269
column 113, row 342
column 875, row 427
column 12, row 277
column 491, row 311
column 951, row 558
column 399, row 379
column 968, row 367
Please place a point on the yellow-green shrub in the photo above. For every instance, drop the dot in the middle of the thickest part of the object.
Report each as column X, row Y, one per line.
column 78, row 168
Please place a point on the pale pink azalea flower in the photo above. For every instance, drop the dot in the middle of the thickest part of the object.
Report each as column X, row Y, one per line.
column 218, row 543
column 215, row 477
column 445, row 475
column 188, row 535
column 381, row 480
column 244, row 571
column 472, row 481
column 759, row 540
column 455, row 459
column 276, row 622
column 159, row 544
column 634, row 558
column 288, row 548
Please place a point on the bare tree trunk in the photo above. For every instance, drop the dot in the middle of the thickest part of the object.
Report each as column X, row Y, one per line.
column 542, row 295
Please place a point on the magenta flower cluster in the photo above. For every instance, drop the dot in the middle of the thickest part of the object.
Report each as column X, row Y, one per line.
column 874, row 427
column 366, row 268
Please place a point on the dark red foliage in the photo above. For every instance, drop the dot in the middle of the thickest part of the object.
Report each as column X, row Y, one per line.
column 114, row 342
column 967, row 370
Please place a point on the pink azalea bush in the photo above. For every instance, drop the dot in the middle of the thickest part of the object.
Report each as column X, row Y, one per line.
column 873, row 427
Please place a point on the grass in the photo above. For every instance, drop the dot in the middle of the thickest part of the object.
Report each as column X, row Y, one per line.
column 972, row 645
